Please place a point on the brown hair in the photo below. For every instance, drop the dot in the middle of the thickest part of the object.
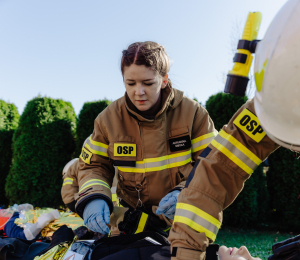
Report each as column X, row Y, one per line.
column 148, row 53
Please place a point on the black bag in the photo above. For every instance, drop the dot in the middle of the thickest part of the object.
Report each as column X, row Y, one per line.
column 288, row 249
column 141, row 220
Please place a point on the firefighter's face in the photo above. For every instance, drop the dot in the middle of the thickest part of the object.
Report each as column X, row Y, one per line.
column 143, row 85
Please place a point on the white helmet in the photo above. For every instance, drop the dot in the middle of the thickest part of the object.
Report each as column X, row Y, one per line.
column 277, row 76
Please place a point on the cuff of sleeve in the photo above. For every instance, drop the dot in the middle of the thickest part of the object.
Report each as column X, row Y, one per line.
column 179, row 187
column 84, row 201
column 71, row 205
column 179, row 253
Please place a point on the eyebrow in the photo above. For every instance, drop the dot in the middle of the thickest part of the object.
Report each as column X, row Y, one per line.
column 143, row 80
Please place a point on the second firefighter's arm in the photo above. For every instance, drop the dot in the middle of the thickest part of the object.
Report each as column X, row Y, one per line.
column 217, row 178
column 96, row 171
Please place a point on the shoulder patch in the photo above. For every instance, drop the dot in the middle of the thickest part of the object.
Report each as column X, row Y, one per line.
column 249, row 124
column 86, row 156
column 121, row 149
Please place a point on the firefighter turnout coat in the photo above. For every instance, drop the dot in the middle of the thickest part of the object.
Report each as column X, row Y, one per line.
column 216, row 179
column 152, row 156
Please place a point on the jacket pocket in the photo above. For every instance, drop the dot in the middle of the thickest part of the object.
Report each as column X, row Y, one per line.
column 179, row 131
column 179, row 140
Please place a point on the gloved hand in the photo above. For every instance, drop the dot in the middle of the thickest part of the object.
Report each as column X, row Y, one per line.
column 96, row 215
column 167, row 205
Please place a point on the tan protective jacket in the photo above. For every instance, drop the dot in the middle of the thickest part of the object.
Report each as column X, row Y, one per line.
column 217, row 178
column 152, row 156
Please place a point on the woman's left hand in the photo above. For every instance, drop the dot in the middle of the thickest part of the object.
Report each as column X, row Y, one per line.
column 167, row 205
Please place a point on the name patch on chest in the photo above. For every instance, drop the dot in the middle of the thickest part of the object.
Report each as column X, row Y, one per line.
column 86, row 156
column 124, row 149
column 180, row 143
column 249, row 124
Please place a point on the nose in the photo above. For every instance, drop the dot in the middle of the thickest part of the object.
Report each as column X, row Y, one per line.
column 139, row 91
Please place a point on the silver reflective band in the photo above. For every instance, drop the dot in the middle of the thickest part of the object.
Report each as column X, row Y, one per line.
column 244, row 158
column 197, row 219
column 159, row 163
column 100, row 149
column 93, row 182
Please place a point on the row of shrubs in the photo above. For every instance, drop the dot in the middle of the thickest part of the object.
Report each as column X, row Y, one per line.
column 35, row 147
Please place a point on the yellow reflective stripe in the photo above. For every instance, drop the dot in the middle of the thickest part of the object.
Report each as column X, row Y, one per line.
column 93, row 182
column 142, row 223
column 195, row 226
column 199, row 148
column 65, row 183
column 200, row 213
column 96, row 180
column 241, row 147
column 202, row 141
column 202, row 137
column 98, row 143
column 197, row 219
column 68, row 181
column 232, row 157
column 95, row 151
column 153, row 169
column 163, row 158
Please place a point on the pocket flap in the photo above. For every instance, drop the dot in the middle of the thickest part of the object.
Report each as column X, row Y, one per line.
column 179, row 131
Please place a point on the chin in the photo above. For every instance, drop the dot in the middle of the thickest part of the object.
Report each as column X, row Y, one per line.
column 142, row 107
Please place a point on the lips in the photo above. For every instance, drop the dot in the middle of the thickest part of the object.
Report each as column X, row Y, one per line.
column 141, row 101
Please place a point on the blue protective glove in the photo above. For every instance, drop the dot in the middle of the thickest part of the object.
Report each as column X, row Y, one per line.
column 96, row 215
column 167, row 205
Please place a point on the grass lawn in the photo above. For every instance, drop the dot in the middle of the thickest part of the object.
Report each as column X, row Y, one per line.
column 259, row 243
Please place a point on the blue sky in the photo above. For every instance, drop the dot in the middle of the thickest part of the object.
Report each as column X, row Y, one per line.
column 71, row 49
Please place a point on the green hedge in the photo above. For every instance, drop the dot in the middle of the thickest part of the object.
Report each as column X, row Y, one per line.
column 85, row 122
column 246, row 209
column 221, row 107
column 9, row 118
column 42, row 144
column 284, row 189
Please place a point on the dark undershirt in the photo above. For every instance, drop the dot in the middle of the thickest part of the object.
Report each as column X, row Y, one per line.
column 150, row 113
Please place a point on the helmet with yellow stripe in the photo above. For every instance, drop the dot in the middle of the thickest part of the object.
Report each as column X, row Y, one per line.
column 277, row 76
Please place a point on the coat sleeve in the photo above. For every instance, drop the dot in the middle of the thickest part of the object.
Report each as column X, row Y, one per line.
column 203, row 132
column 217, row 178
column 95, row 171
column 70, row 186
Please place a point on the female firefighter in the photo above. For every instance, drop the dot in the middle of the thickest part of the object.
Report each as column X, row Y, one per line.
column 153, row 134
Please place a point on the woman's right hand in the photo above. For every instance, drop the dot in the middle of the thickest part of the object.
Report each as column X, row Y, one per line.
column 96, row 215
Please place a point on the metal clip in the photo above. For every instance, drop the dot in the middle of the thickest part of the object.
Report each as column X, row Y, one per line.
column 139, row 188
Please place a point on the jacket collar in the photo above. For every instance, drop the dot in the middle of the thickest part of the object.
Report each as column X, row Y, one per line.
column 171, row 98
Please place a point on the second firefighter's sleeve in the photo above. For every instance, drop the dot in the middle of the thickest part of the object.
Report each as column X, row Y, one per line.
column 217, row 178
column 96, row 171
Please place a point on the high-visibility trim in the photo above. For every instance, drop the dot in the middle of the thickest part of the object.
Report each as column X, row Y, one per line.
column 68, row 181
column 236, row 152
column 202, row 141
column 241, row 147
column 142, row 223
column 93, row 182
column 97, row 143
column 197, row 219
column 96, row 147
column 232, row 157
column 159, row 163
